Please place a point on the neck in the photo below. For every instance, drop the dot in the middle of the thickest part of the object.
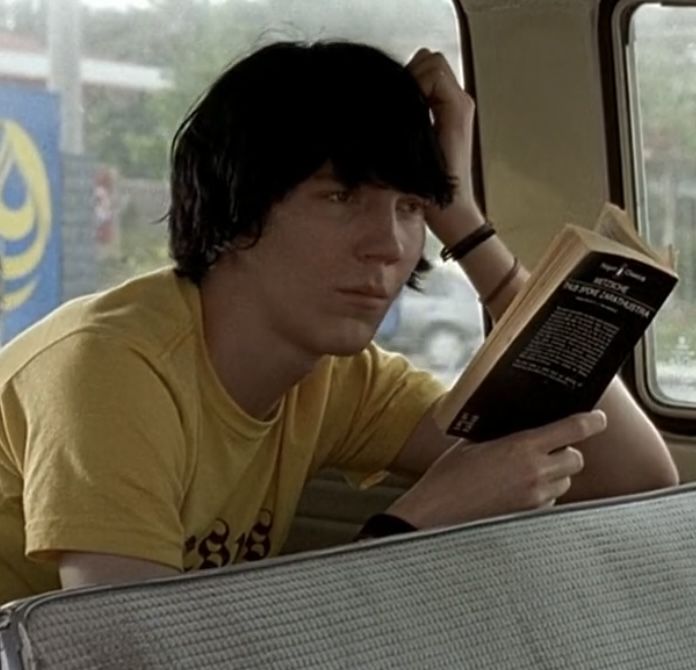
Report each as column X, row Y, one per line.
column 255, row 366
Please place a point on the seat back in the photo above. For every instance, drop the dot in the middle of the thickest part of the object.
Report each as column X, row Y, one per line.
column 610, row 585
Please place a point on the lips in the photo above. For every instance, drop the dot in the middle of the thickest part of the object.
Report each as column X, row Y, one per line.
column 371, row 298
column 367, row 291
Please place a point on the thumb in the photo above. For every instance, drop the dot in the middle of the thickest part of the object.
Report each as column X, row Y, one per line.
column 569, row 430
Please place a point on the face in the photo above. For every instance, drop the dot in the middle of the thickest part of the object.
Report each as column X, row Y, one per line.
column 331, row 260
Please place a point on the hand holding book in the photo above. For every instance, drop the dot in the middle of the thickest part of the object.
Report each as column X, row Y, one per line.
column 558, row 345
column 525, row 470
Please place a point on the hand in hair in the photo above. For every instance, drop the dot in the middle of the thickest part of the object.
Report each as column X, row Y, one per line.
column 453, row 118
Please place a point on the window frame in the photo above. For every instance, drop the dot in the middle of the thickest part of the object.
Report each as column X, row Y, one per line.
column 623, row 163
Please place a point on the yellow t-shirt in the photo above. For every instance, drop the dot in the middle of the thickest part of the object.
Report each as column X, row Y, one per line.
column 117, row 437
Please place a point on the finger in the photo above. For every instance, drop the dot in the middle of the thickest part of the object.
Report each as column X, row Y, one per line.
column 421, row 55
column 452, row 107
column 570, row 430
column 425, row 60
column 566, row 462
column 433, row 76
column 548, row 504
column 438, row 87
column 547, row 495
column 431, row 65
column 559, row 488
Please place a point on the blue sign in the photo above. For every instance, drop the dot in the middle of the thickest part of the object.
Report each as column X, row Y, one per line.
column 29, row 206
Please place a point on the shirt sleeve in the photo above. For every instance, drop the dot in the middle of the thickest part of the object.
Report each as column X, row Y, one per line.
column 101, row 444
column 378, row 400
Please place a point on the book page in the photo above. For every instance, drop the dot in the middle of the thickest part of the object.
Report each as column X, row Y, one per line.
column 614, row 224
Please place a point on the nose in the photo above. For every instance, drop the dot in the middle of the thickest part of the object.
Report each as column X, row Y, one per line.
column 382, row 238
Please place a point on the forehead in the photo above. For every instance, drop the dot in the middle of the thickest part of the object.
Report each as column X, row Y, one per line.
column 327, row 174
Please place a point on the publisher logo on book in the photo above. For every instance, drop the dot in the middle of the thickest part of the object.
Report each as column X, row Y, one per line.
column 465, row 422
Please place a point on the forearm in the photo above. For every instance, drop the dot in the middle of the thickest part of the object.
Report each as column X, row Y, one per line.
column 629, row 456
column 487, row 265
column 88, row 569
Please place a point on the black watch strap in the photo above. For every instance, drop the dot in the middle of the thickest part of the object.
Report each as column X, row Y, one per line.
column 383, row 525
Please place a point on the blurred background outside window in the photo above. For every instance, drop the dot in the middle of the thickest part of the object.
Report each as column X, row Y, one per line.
column 91, row 92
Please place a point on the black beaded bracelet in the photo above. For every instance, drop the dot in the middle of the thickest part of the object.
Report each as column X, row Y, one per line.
column 383, row 525
column 468, row 243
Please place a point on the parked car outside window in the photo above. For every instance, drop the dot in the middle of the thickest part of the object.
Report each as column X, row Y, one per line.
column 439, row 328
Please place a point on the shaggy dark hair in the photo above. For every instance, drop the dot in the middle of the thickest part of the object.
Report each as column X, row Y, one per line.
column 272, row 120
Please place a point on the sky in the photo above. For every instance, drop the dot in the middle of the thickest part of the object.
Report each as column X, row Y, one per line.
column 115, row 4
column 124, row 4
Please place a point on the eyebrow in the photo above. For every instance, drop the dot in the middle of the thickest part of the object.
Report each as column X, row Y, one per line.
column 326, row 176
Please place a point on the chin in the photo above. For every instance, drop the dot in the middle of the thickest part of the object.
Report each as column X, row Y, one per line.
column 348, row 348
column 347, row 343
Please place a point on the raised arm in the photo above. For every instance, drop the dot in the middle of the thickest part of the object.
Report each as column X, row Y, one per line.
column 630, row 454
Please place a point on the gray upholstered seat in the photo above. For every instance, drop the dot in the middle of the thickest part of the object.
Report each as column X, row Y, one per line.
column 609, row 585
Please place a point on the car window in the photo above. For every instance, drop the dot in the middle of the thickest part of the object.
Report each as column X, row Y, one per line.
column 91, row 92
column 661, row 84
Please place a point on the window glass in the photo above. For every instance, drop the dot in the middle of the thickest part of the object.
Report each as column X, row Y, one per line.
column 91, row 92
column 662, row 92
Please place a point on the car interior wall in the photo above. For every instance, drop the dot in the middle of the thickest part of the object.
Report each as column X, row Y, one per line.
column 539, row 98
column 537, row 78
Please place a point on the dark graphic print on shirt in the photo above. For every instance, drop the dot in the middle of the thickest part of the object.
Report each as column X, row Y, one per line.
column 220, row 547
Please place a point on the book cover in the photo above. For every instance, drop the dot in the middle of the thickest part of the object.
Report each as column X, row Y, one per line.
column 566, row 356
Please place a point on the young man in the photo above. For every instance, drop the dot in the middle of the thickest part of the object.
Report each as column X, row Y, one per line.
column 171, row 423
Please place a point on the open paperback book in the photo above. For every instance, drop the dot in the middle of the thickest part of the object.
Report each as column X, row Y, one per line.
column 565, row 335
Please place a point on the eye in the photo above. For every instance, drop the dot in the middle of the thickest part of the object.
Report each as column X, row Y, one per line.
column 413, row 206
column 340, row 196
